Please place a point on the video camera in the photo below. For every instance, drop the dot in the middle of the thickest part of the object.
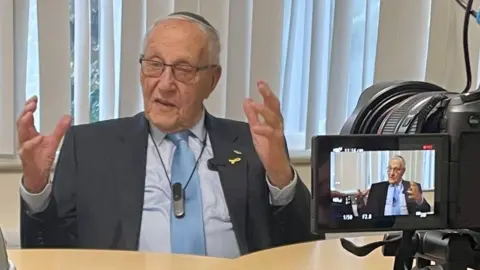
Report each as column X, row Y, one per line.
column 437, row 132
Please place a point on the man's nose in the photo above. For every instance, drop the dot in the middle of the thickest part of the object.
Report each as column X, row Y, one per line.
column 166, row 79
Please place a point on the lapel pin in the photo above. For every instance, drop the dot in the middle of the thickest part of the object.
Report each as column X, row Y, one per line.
column 234, row 160
column 237, row 152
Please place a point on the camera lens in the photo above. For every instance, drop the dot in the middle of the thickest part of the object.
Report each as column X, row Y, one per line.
column 398, row 108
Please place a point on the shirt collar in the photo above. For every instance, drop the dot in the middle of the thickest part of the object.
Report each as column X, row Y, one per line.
column 198, row 130
column 399, row 184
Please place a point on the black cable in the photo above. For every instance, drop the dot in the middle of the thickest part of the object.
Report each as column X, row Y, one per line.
column 204, row 144
column 464, row 6
column 466, row 21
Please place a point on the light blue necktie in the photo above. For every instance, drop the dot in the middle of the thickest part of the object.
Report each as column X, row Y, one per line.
column 396, row 201
column 186, row 233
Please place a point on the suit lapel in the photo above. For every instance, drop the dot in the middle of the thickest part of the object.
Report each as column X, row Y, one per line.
column 129, row 165
column 130, row 183
column 233, row 174
column 384, row 198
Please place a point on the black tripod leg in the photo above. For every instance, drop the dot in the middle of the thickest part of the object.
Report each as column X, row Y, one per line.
column 405, row 252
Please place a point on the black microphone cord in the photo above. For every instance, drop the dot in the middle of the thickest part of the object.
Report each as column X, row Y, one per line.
column 464, row 6
column 468, row 12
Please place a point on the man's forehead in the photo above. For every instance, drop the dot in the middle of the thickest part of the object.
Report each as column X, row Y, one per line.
column 175, row 28
column 177, row 34
column 396, row 163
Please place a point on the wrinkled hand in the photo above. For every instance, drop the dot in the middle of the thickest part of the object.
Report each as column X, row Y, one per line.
column 414, row 192
column 268, row 136
column 36, row 151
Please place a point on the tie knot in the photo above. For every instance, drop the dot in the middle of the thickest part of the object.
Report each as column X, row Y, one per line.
column 179, row 136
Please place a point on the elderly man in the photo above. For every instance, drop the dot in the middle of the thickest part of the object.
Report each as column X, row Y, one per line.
column 396, row 196
column 173, row 178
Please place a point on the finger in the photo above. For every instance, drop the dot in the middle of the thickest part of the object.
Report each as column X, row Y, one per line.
column 33, row 98
column 26, row 128
column 270, row 117
column 61, row 129
column 269, row 98
column 263, row 130
column 30, row 145
column 30, row 106
column 252, row 116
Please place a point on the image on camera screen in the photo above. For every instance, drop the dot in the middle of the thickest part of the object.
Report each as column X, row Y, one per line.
column 372, row 184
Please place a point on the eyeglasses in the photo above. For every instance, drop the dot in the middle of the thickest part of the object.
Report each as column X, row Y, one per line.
column 182, row 72
column 395, row 170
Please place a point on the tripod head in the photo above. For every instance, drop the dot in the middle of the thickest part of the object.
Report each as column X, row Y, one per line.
column 5, row 263
column 448, row 249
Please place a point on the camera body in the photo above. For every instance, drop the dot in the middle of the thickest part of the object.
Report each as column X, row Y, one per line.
column 462, row 117
column 405, row 116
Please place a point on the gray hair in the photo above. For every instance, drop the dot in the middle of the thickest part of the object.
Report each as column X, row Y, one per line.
column 400, row 158
column 214, row 47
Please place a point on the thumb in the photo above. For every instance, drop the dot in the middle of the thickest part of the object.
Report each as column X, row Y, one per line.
column 61, row 129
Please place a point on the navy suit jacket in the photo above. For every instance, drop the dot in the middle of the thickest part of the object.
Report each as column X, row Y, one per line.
column 99, row 181
column 378, row 196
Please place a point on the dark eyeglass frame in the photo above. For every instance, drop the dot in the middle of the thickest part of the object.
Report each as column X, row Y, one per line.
column 174, row 67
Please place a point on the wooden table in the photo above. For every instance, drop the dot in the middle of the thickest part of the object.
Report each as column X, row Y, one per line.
column 323, row 255
column 56, row 259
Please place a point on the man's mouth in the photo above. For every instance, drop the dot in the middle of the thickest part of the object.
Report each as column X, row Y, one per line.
column 165, row 103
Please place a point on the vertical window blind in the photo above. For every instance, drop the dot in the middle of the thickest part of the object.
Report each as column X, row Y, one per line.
column 81, row 57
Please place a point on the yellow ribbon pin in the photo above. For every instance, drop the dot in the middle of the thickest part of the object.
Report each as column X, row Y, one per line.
column 234, row 160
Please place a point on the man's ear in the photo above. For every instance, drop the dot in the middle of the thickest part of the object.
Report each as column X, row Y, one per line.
column 215, row 77
column 217, row 73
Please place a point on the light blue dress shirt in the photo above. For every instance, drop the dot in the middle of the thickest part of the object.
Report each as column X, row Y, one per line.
column 155, row 225
column 389, row 201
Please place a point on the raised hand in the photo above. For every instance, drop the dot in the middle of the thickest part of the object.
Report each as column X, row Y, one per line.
column 268, row 136
column 360, row 196
column 36, row 151
column 414, row 192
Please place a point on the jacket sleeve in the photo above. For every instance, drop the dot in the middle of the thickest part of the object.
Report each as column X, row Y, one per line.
column 56, row 226
column 424, row 206
column 291, row 222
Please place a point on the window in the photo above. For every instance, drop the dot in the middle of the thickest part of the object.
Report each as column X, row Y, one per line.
column 354, row 171
column 33, row 76
column 32, row 83
column 94, row 57
column 318, row 56
column 324, row 43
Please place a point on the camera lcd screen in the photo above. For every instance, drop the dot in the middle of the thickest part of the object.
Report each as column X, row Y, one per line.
column 379, row 182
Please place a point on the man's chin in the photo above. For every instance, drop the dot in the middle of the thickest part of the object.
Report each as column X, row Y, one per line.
column 165, row 122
